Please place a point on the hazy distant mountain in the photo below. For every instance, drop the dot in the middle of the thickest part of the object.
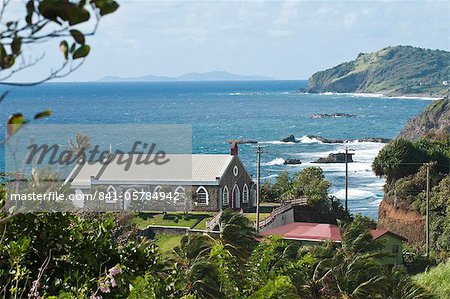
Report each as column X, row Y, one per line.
column 208, row 76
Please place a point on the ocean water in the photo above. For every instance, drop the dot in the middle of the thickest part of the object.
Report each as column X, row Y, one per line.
column 218, row 111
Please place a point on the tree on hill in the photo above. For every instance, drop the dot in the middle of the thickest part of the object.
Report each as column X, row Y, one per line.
column 309, row 182
column 403, row 157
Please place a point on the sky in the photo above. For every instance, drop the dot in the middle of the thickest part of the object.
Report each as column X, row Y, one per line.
column 279, row 39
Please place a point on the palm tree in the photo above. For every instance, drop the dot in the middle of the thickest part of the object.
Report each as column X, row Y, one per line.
column 354, row 270
column 354, row 276
column 237, row 231
column 79, row 146
column 399, row 285
column 195, row 274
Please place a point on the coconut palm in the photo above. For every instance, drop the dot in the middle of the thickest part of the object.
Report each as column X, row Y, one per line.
column 399, row 285
column 354, row 270
column 194, row 272
column 79, row 146
column 237, row 231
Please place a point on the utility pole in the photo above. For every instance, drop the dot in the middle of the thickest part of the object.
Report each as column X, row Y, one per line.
column 428, row 210
column 427, row 214
column 427, row 219
column 346, row 179
column 258, row 184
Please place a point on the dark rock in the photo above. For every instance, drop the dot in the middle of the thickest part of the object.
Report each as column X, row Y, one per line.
column 336, row 158
column 326, row 140
column 375, row 139
column 333, row 115
column 290, row 138
column 242, row 141
column 292, row 161
column 367, row 139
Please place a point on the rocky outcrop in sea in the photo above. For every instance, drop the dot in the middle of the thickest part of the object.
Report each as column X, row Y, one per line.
column 242, row 141
column 336, row 158
column 367, row 139
column 292, row 161
column 291, row 138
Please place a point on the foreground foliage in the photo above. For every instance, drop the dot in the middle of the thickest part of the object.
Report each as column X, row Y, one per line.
column 100, row 256
column 437, row 280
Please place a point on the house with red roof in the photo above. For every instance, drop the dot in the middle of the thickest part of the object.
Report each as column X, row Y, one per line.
column 315, row 233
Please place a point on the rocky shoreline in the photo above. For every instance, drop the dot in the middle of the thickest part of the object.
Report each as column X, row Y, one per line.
column 291, row 138
column 336, row 158
column 242, row 141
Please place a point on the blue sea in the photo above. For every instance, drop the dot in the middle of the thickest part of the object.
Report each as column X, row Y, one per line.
column 266, row 111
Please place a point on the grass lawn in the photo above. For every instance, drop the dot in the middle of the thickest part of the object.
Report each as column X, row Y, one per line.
column 252, row 216
column 202, row 223
column 167, row 242
column 269, row 204
column 145, row 219
column 195, row 220
column 436, row 280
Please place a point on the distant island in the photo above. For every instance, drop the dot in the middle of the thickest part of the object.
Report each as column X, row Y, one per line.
column 207, row 76
column 392, row 71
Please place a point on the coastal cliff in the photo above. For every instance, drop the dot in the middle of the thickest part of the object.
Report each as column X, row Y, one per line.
column 406, row 223
column 435, row 120
column 392, row 71
column 403, row 206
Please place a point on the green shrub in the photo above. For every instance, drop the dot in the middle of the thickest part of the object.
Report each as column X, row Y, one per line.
column 436, row 280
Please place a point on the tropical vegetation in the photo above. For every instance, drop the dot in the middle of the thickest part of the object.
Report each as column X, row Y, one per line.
column 436, row 280
column 101, row 256
column 404, row 163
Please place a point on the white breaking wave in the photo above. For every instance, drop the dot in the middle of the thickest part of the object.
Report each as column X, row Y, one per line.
column 250, row 93
column 378, row 95
column 269, row 177
column 360, row 168
column 306, row 139
column 277, row 161
column 361, row 95
column 354, row 193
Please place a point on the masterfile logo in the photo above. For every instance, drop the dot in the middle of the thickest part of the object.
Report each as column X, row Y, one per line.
column 99, row 167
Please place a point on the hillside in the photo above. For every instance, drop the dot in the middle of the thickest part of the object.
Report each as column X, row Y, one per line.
column 393, row 71
column 401, row 162
column 434, row 120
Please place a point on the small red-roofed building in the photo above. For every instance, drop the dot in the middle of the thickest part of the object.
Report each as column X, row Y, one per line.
column 316, row 233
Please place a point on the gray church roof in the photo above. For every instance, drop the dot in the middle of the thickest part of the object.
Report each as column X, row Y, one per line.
column 192, row 169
